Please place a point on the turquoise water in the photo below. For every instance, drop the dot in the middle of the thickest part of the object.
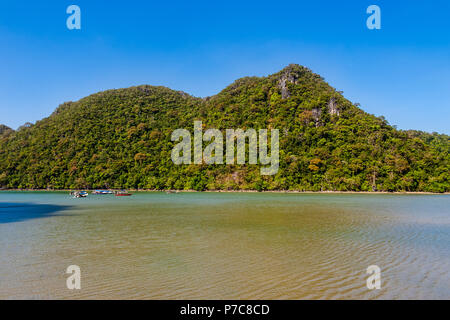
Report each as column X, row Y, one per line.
column 224, row 245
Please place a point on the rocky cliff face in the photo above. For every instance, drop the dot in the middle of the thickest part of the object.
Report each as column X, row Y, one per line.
column 288, row 76
column 292, row 75
column 333, row 107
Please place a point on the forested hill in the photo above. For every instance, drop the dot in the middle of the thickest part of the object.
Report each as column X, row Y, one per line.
column 4, row 130
column 122, row 139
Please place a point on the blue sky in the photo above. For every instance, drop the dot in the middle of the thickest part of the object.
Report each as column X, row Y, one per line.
column 401, row 71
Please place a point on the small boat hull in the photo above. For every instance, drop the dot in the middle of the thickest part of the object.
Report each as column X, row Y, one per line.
column 102, row 192
column 79, row 194
column 122, row 194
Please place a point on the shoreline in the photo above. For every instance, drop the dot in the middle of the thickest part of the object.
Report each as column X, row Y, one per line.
column 238, row 191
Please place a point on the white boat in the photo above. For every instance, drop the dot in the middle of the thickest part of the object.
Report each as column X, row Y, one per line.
column 79, row 194
column 102, row 192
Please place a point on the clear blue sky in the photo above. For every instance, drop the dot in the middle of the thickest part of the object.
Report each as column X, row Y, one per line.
column 401, row 71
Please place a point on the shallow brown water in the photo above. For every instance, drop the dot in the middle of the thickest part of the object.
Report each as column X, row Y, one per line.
column 224, row 246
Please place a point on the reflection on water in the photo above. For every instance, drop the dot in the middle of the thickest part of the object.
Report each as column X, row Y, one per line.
column 226, row 246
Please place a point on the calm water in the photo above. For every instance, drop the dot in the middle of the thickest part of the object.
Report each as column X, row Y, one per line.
column 224, row 245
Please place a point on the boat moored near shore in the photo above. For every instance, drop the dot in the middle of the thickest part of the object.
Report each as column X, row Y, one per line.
column 102, row 192
column 122, row 193
column 79, row 194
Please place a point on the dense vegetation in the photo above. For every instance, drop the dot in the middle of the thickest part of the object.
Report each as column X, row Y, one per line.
column 4, row 130
column 121, row 139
